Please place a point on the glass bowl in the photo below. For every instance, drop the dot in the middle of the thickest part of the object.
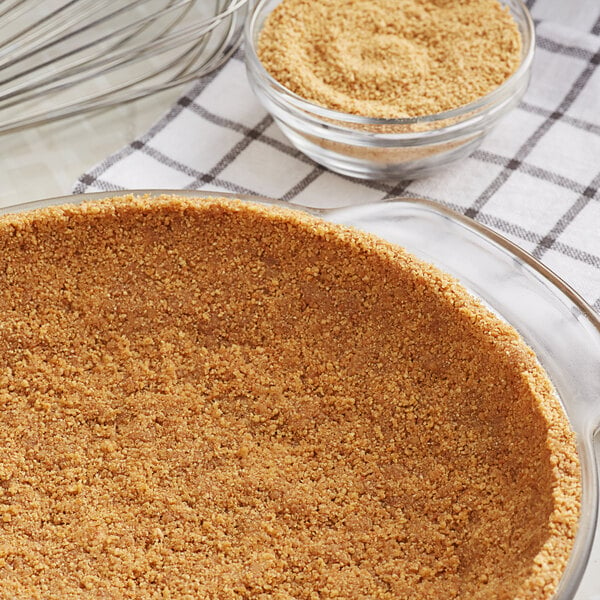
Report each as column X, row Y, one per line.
column 369, row 148
column 554, row 321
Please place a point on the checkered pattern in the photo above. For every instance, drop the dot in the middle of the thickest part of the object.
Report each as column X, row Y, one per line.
column 535, row 179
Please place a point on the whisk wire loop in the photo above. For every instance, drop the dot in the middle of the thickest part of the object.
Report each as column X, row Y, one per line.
column 82, row 55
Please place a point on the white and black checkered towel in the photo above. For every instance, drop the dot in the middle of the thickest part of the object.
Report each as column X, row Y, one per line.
column 535, row 179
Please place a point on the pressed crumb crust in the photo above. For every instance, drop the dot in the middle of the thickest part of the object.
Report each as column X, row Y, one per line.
column 214, row 399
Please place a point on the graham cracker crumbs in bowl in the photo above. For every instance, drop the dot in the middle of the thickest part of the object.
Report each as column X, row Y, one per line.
column 390, row 58
column 216, row 399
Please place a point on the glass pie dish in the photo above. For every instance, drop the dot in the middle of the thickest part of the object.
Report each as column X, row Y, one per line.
column 561, row 329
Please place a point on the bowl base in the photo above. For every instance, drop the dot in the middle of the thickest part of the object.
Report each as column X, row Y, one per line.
column 380, row 163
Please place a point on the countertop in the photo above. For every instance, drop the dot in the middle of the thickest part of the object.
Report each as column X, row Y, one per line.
column 46, row 161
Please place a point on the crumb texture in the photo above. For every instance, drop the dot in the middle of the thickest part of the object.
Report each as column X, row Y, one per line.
column 207, row 399
column 390, row 58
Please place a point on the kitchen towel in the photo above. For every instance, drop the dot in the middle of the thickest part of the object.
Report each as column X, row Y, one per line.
column 535, row 179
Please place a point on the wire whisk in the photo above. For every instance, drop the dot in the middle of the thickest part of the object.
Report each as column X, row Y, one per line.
column 60, row 58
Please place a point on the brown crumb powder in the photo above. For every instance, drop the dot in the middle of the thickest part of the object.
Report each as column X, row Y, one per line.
column 390, row 58
column 209, row 399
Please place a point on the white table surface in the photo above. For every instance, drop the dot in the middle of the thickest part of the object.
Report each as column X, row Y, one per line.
column 45, row 161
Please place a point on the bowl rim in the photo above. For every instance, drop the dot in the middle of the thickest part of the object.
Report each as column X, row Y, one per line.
column 500, row 93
